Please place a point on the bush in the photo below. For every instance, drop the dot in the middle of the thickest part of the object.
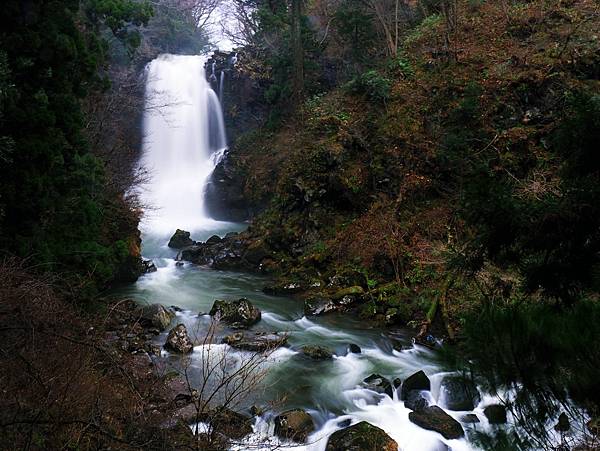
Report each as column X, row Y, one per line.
column 372, row 84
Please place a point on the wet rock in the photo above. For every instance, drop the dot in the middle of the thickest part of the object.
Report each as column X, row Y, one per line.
column 470, row 418
column 355, row 349
column 155, row 315
column 214, row 240
column 415, row 401
column 226, row 254
column 256, row 342
column 417, row 381
column 496, row 414
column 315, row 306
column 362, row 436
column 179, row 264
column 378, row 384
column 232, row 424
column 294, row 425
column 397, row 382
column 178, row 340
column 460, row 393
column 180, row 239
column 239, row 314
column 148, row 266
column 317, row 352
column 256, row 252
column 563, row 424
column 433, row 418
column 224, row 195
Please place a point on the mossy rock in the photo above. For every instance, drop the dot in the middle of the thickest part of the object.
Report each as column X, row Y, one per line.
column 240, row 314
column 355, row 292
column 180, row 239
column 362, row 436
column 317, row 352
column 294, row 425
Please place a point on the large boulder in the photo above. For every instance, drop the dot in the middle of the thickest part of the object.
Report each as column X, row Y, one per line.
column 318, row 306
column 354, row 348
column 225, row 254
column 362, row 436
column 238, row 314
column 294, row 425
column 460, row 393
column 178, row 340
column 155, row 315
column 214, row 240
column 433, row 418
column 180, row 239
column 258, row 342
column 378, row 384
column 230, row 423
column 495, row 413
column 317, row 352
column 417, row 381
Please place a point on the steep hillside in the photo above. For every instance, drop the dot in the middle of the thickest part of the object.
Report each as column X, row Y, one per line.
column 434, row 172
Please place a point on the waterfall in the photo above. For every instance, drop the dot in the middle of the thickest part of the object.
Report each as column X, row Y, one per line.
column 184, row 137
column 221, row 81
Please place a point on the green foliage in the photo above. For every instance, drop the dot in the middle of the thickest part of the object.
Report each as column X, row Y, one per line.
column 356, row 30
column 401, row 65
column 122, row 17
column 57, row 208
column 428, row 23
column 274, row 34
column 552, row 238
column 372, row 84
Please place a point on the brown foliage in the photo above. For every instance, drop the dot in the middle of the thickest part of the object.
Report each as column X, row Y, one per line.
column 61, row 385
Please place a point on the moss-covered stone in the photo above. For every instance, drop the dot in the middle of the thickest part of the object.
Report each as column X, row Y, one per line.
column 317, row 352
column 362, row 436
column 294, row 425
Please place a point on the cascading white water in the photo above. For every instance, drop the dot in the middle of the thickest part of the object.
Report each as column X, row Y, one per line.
column 184, row 137
column 221, row 82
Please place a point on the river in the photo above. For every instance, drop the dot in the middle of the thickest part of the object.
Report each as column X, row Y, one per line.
column 182, row 142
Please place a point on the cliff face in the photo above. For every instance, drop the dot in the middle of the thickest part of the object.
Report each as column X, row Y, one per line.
column 238, row 79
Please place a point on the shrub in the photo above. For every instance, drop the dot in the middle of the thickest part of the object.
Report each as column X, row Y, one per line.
column 372, row 84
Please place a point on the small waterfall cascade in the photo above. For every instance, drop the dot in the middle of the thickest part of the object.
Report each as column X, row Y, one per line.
column 184, row 139
column 221, row 82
